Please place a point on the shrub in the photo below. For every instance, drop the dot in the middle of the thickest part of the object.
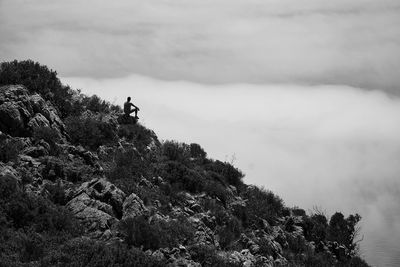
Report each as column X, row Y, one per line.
column 87, row 252
column 39, row 79
column 344, row 230
column 24, row 210
column 229, row 232
column 208, row 257
column 231, row 175
column 315, row 227
column 50, row 136
column 91, row 131
column 176, row 151
column 262, row 204
column 9, row 149
column 57, row 193
column 8, row 187
column 139, row 232
column 196, row 151
column 141, row 137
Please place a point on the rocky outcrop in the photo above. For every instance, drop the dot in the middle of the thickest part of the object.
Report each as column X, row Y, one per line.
column 21, row 114
column 94, row 214
column 133, row 206
column 102, row 190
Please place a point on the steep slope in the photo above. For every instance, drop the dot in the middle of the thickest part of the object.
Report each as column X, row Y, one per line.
column 86, row 190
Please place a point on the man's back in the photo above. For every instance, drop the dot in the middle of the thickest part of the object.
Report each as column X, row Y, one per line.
column 127, row 108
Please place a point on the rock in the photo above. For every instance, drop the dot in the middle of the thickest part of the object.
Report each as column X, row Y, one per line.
column 94, row 214
column 196, row 208
column 133, row 206
column 126, row 119
column 104, row 191
column 11, row 120
column 6, row 170
column 22, row 113
column 145, row 183
column 38, row 122
column 36, row 151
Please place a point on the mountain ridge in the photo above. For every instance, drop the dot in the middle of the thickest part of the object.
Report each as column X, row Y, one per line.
column 79, row 187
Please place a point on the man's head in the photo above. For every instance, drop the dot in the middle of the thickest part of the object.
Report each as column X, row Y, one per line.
column 129, row 98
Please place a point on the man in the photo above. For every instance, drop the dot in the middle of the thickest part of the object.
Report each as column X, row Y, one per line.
column 128, row 110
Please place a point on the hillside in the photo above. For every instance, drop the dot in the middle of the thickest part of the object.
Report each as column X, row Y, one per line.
column 79, row 188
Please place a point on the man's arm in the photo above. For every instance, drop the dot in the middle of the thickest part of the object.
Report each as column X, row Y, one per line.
column 134, row 105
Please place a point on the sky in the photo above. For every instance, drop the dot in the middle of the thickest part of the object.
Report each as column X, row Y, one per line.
column 302, row 95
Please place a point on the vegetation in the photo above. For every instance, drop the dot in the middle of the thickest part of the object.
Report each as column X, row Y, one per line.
column 186, row 194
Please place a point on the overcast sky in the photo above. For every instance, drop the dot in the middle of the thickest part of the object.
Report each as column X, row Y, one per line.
column 303, row 95
column 211, row 41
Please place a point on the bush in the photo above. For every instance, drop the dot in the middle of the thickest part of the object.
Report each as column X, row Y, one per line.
column 87, row 252
column 8, row 187
column 208, row 257
column 24, row 210
column 50, row 136
column 196, row 151
column 38, row 79
column 176, row 151
column 91, row 131
column 262, row 204
column 9, row 150
column 344, row 230
column 141, row 137
column 315, row 227
column 229, row 232
column 231, row 175
column 139, row 232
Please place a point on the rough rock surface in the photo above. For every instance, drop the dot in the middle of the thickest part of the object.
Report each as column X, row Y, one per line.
column 22, row 113
column 94, row 214
column 133, row 206
column 104, row 191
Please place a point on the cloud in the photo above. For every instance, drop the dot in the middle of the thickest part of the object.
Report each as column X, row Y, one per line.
column 354, row 43
column 335, row 147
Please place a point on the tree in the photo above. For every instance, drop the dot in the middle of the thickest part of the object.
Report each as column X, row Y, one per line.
column 344, row 230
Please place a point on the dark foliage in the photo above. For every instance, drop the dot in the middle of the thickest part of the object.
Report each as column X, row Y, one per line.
column 175, row 151
column 139, row 135
column 207, row 256
column 38, row 79
column 196, row 151
column 9, row 149
column 344, row 230
column 230, row 232
column 231, row 175
column 262, row 204
column 50, row 136
column 91, row 131
column 315, row 227
column 86, row 252
column 140, row 233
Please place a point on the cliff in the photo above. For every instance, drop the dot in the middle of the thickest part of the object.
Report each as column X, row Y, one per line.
column 78, row 188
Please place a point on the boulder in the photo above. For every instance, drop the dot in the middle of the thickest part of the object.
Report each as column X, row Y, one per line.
column 104, row 191
column 11, row 120
column 94, row 214
column 38, row 122
column 133, row 206
column 6, row 170
column 22, row 113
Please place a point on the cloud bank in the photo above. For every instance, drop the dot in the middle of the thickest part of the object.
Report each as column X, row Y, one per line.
column 335, row 147
column 353, row 43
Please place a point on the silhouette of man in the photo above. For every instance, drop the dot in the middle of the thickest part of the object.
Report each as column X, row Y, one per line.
column 128, row 110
